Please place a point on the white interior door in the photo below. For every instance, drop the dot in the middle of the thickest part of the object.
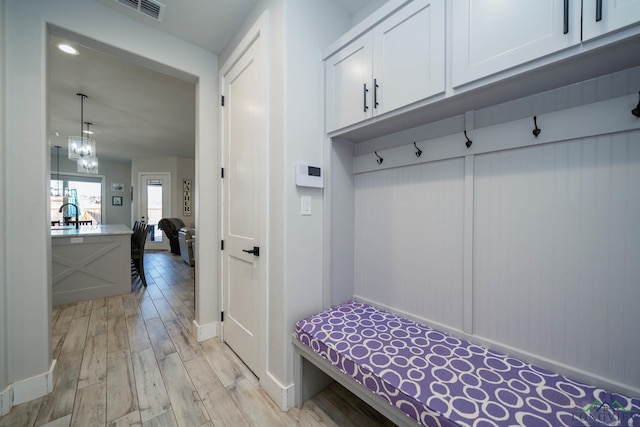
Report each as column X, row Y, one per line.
column 155, row 204
column 244, row 118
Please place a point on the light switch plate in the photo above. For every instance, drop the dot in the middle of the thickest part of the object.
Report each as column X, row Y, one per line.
column 305, row 205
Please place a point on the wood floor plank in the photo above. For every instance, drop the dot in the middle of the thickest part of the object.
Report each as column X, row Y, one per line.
column 226, row 368
column 215, row 398
column 138, row 336
column 24, row 414
column 131, row 306
column 148, row 309
column 162, row 283
column 346, row 409
column 185, row 315
column 255, row 405
column 160, row 340
column 97, row 321
column 60, row 403
column 154, row 291
column 56, row 345
column 94, row 361
column 115, row 306
column 165, row 420
column 76, row 335
column 63, row 320
column 117, row 335
column 164, row 309
column 83, row 308
column 60, row 422
column 186, row 345
column 122, row 396
column 90, row 406
column 152, row 395
column 129, row 420
column 185, row 400
column 99, row 302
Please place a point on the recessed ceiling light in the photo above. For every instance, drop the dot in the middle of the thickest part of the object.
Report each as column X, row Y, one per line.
column 67, row 48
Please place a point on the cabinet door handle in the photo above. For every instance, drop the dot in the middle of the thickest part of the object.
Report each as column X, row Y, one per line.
column 366, row 107
column 566, row 16
column 598, row 10
column 375, row 93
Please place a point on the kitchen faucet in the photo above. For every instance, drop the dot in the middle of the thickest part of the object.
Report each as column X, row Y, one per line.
column 77, row 213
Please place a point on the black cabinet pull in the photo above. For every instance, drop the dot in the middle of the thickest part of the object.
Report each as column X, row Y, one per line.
column 566, row 16
column 375, row 93
column 255, row 251
column 366, row 107
column 598, row 10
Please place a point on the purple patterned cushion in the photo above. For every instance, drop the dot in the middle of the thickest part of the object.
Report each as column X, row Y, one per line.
column 440, row 380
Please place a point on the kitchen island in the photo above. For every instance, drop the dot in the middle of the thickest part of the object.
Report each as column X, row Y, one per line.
column 90, row 262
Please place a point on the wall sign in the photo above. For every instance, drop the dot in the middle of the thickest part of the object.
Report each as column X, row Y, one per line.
column 186, row 193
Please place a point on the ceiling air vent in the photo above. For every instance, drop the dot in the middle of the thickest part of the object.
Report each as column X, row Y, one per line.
column 150, row 8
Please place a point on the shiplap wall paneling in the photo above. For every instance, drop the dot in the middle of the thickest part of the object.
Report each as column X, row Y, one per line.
column 557, row 253
column 340, row 183
column 409, row 239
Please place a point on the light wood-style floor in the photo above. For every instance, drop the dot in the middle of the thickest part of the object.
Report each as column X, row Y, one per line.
column 130, row 361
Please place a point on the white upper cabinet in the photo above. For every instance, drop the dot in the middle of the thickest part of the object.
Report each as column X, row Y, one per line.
column 398, row 62
column 348, row 84
column 409, row 55
column 600, row 17
column 490, row 36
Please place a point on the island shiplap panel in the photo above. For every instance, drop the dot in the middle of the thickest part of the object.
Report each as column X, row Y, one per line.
column 409, row 239
column 557, row 251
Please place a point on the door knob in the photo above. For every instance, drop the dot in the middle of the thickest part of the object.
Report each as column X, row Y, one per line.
column 255, row 251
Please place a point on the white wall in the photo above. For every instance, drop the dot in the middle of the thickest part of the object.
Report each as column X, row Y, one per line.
column 28, row 276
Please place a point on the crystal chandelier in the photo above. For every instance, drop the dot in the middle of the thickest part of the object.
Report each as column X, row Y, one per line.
column 82, row 147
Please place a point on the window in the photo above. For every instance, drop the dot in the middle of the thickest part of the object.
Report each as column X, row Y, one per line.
column 85, row 192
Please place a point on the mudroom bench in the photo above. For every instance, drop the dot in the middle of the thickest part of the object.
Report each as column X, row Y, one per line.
column 415, row 375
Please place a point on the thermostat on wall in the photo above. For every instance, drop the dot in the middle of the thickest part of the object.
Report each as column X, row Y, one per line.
column 309, row 176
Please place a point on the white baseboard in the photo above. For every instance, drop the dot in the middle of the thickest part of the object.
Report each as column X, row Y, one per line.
column 204, row 332
column 34, row 387
column 282, row 395
column 6, row 400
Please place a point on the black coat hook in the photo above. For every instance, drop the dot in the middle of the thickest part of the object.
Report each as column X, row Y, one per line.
column 469, row 142
column 419, row 151
column 636, row 111
column 380, row 159
column 537, row 130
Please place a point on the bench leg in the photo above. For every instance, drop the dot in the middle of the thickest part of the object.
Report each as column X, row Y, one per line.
column 309, row 380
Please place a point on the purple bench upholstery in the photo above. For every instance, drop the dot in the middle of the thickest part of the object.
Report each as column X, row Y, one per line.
column 440, row 380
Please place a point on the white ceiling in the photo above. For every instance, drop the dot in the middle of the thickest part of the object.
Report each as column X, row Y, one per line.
column 137, row 112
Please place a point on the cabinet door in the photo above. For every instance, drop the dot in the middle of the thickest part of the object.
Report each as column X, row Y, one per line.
column 602, row 17
column 409, row 55
column 348, row 84
column 490, row 36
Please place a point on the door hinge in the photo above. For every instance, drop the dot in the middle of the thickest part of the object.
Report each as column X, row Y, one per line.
column 222, row 316
column 221, row 172
column 222, row 100
column 222, row 245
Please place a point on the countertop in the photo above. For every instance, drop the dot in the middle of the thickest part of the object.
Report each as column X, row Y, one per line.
column 91, row 230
